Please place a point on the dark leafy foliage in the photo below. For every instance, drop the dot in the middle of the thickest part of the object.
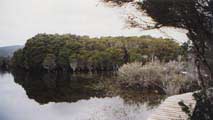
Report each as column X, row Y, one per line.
column 204, row 107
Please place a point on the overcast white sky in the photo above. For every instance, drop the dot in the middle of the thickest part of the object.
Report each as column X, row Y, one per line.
column 22, row 19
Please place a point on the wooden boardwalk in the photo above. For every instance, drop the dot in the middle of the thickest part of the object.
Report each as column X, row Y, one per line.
column 171, row 110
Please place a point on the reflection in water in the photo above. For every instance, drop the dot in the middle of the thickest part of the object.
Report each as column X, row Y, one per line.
column 69, row 97
column 51, row 87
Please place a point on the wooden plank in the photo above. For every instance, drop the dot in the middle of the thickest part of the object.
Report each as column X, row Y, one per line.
column 171, row 110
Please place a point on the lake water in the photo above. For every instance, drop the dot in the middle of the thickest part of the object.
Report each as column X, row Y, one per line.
column 25, row 96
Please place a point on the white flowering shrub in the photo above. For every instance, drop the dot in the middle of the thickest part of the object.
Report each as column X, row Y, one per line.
column 130, row 72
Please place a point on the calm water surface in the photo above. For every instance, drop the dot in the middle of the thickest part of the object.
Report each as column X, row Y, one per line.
column 25, row 96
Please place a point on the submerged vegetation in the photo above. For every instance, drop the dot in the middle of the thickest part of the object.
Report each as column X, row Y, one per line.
column 81, row 53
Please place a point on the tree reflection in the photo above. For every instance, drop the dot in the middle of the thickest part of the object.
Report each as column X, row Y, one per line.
column 60, row 87
column 65, row 87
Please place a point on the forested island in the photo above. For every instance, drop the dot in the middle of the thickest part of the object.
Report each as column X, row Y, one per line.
column 125, row 78
column 53, row 52
column 139, row 63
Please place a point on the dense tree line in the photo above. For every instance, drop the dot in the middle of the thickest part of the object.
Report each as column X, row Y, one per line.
column 82, row 53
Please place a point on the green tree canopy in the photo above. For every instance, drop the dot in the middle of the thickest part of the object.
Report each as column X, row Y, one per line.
column 81, row 53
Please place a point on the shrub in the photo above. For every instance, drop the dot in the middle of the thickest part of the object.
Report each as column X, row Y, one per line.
column 171, row 77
